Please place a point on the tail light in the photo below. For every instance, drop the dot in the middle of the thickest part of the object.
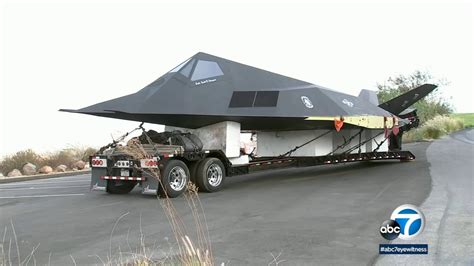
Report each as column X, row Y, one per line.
column 98, row 162
column 149, row 163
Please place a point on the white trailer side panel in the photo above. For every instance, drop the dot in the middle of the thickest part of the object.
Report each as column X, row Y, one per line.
column 371, row 145
column 271, row 144
column 277, row 143
column 345, row 135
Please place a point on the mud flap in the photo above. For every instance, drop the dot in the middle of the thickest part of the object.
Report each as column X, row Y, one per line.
column 96, row 182
column 395, row 142
column 150, row 185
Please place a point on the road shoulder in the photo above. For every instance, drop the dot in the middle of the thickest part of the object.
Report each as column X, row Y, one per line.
column 42, row 176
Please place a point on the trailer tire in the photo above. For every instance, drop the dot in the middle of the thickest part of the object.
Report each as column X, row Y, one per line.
column 174, row 179
column 210, row 175
column 120, row 187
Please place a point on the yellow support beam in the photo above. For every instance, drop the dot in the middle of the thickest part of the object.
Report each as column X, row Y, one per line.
column 367, row 121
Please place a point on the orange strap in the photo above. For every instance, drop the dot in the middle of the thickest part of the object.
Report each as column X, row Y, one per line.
column 338, row 123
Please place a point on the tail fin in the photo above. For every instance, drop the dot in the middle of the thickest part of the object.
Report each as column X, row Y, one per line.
column 370, row 96
column 402, row 102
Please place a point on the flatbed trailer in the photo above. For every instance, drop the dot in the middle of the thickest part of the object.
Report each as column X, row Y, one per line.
column 167, row 169
column 306, row 161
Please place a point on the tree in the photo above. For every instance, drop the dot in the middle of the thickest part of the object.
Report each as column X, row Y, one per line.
column 432, row 105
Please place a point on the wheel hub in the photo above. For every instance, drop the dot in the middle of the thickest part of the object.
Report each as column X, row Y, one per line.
column 177, row 178
column 214, row 175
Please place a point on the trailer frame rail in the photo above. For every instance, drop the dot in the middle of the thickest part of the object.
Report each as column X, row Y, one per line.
column 307, row 161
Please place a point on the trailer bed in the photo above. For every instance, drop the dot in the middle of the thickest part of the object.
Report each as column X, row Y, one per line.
column 265, row 163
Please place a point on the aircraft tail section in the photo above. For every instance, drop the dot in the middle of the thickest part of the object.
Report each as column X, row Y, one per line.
column 398, row 104
column 370, row 96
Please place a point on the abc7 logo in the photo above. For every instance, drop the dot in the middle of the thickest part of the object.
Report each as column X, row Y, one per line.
column 406, row 222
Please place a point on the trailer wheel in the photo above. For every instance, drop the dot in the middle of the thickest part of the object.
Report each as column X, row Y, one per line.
column 174, row 178
column 210, row 175
column 120, row 187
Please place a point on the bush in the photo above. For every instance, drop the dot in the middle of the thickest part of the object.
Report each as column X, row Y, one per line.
column 87, row 152
column 61, row 157
column 441, row 125
column 412, row 135
column 431, row 132
column 17, row 160
column 434, row 129
column 432, row 105
column 66, row 156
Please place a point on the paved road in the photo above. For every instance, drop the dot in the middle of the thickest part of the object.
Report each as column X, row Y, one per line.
column 318, row 215
column 449, row 209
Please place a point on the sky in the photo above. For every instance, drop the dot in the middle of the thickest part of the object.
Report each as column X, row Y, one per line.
column 74, row 54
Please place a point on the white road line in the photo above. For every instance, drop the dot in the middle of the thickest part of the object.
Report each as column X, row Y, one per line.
column 55, row 179
column 42, row 196
column 41, row 183
column 76, row 177
column 30, row 188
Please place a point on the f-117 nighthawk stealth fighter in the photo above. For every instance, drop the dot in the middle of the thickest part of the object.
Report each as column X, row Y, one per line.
column 215, row 99
column 206, row 89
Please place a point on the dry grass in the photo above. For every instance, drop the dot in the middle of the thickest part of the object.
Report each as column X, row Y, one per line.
column 189, row 252
column 10, row 249
column 185, row 251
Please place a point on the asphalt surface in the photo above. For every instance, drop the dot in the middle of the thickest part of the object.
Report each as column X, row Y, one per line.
column 318, row 215
column 449, row 209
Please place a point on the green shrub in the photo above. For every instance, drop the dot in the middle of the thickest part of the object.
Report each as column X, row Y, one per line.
column 432, row 105
column 441, row 125
column 412, row 135
column 434, row 129
column 431, row 132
